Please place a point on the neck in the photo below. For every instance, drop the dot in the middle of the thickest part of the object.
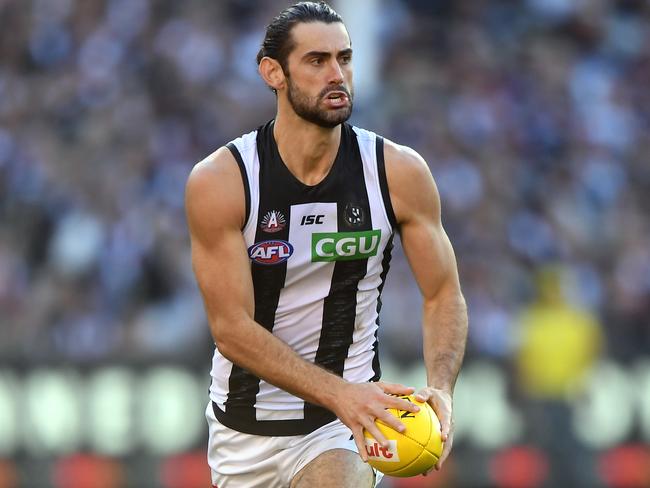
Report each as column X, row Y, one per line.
column 307, row 150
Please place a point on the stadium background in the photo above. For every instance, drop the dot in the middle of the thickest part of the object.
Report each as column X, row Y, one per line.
column 534, row 117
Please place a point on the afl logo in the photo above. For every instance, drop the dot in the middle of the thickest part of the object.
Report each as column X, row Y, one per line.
column 270, row 252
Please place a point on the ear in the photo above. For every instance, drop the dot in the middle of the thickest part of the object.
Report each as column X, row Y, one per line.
column 271, row 72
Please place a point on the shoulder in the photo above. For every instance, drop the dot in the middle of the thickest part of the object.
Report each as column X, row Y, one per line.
column 217, row 165
column 411, row 185
column 404, row 162
column 216, row 171
column 215, row 191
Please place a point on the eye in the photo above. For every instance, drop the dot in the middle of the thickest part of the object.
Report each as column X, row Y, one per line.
column 316, row 61
column 347, row 59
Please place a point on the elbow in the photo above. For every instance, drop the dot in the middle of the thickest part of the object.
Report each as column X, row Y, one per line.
column 227, row 349
column 223, row 339
column 226, row 338
column 447, row 297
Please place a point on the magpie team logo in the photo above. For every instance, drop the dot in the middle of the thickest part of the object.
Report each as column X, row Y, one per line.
column 273, row 221
column 354, row 215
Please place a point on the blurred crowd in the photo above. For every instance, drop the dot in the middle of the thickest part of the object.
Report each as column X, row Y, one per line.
column 104, row 108
column 534, row 117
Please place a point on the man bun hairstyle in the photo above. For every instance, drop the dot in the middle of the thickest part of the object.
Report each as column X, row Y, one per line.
column 278, row 42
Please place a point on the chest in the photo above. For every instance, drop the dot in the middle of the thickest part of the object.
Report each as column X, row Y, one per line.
column 316, row 232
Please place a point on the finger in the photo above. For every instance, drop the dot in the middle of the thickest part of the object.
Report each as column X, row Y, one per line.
column 401, row 404
column 446, row 425
column 443, row 412
column 423, row 395
column 445, row 430
column 445, row 452
column 374, row 431
column 391, row 421
column 396, row 388
column 360, row 441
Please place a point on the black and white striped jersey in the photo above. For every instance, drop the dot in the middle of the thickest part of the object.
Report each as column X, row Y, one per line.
column 319, row 258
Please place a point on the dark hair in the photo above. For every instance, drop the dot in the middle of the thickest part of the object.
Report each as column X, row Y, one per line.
column 278, row 42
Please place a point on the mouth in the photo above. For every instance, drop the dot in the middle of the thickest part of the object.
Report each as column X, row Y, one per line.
column 337, row 99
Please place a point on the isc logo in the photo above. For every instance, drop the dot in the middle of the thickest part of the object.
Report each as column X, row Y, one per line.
column 312, row 219
column 270, row 252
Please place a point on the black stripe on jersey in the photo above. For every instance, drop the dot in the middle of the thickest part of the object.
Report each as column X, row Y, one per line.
column 383, row 181
column 340, row 306
column 268, row 281
column 385, row 266
column 244, row 176
column 275, row 428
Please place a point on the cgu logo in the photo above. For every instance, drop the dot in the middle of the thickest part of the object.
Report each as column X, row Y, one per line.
column 270, row 252
column 344, row 246
column 387, row 454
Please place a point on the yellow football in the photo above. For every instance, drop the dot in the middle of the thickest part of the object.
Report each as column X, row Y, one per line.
column 411, row 452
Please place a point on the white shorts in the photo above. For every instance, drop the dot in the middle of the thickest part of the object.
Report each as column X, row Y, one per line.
column 239, row 460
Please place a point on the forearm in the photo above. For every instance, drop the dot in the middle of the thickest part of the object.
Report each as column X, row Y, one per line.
column 444, row 337
column 255, row 349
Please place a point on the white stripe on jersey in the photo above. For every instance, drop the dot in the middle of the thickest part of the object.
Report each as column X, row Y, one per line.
column 247, row 146
column 358, row 365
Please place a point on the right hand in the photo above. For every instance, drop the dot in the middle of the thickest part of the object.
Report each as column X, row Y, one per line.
column 358, row 405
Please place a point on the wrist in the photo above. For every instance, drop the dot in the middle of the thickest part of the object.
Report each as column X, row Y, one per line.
column 442, row 386
column 332, row 390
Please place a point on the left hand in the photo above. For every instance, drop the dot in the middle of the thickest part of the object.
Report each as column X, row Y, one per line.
column 441, row 402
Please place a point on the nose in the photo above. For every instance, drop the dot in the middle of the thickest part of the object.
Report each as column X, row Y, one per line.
column 335, row 75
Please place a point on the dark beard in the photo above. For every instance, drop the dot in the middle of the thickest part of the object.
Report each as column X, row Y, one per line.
column 308, row 109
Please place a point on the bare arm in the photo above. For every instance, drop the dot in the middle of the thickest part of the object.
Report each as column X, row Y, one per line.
column 215, row 213
column 416, row 204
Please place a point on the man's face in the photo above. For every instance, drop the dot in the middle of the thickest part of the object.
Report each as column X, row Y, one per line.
column 319, row 73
